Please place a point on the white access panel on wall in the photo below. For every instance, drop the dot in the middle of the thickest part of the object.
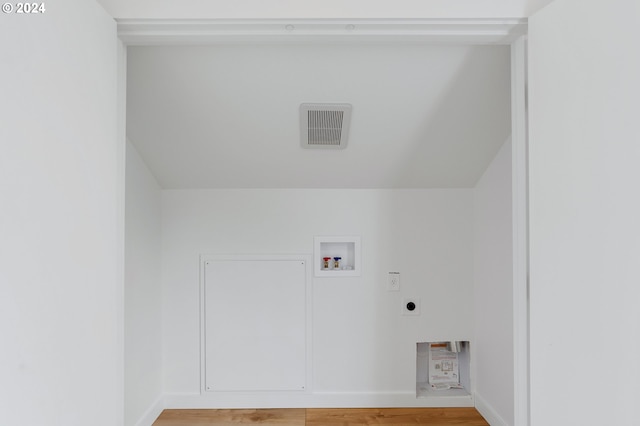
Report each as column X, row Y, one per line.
column 254, row 323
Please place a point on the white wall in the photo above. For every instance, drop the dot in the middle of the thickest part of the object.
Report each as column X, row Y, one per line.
column 275, row 9
column 361, row 343
column 143, row 295
column 61, row 219
column 585, row 232
column 493, row 290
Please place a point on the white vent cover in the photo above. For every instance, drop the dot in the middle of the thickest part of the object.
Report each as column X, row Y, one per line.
column 324, row 125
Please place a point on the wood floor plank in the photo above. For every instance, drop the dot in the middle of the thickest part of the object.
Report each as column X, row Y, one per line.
column 395, row 416
column 289, row 417
column 324, row 417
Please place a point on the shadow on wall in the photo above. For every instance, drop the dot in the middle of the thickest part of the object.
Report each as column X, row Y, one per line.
column 533, row 6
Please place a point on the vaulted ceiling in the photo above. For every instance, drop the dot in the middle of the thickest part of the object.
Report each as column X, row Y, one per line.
column 227, row 116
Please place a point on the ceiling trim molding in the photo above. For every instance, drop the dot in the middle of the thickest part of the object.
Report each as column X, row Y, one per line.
column 148, row 32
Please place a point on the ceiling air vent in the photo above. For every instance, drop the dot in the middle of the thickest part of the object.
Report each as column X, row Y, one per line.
column 324, row 125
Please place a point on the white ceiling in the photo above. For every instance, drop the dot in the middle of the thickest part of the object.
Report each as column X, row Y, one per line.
column 226, row 116
column 320, row 9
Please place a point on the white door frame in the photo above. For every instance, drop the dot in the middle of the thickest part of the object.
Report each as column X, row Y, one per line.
column 427, row 31
column 520, row 217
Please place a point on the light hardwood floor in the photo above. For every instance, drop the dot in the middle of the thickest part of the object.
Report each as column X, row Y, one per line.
column 324, row 417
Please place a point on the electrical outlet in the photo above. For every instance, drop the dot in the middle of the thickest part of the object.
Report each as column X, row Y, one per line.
column 393, row 281
column 411, row 306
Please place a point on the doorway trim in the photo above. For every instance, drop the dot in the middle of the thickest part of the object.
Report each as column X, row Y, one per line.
column 136, row 32
column 520, row 218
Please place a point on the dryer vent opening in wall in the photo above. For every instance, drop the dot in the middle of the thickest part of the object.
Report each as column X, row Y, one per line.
column 324, row 125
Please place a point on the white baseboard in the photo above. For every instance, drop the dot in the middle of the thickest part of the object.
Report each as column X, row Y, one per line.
column 488, row 412
column 309, row 400
column 152, row 412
